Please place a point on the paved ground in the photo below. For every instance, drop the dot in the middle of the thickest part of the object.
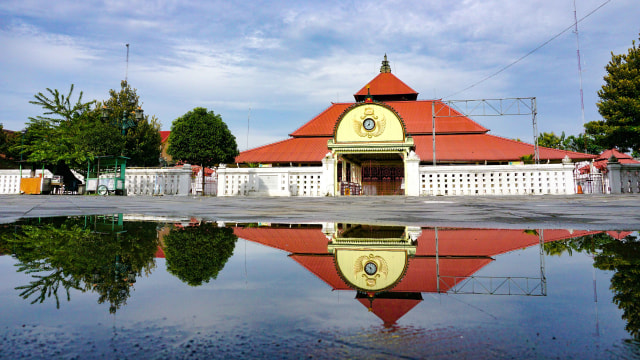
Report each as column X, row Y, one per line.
column 601, row 212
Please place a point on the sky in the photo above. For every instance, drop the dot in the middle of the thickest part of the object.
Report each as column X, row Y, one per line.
column 268, row 67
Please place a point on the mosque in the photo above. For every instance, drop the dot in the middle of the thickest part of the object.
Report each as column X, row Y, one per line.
column 386, row 143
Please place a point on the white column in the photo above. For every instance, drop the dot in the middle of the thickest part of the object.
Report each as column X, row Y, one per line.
column 327, row 183
column 615, row 184
column 412, row 174
column 221, row 173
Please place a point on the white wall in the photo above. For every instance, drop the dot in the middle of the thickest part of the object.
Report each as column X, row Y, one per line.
column 10, row 179
column 274, row 181
column 158, row 181
column 497, row 180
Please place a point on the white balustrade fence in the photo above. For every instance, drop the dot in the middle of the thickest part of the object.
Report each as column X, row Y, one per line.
column 623, row 178
column 316, row 181
column 10, row 179
column 497, row 179
column 158, row 181
column 274, row 181
column 210, row 185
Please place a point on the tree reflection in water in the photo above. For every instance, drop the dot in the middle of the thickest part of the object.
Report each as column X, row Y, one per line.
column 622, row 257
column 196, row 254
column 69, row 254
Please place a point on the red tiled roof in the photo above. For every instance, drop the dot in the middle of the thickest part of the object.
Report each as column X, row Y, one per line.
column 305, row 240
column 299, row 150
column 389, row 310
column 481, row 147
column 422, row 273
column 416, row 116
column 602, row 160
column 619, row 155
column 386, row 84
column 164, row 136
column 485, row 242
column 324, row 268
column 159, row 252
column 324, row 123
column 449, row 148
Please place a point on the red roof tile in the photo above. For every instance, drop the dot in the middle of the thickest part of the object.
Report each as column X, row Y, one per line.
column 602, row 160
column 324, row 123
column 416, row 116
column 481, row 147
column 324, row 268
column 389, row 310
column 297, row 150
column 449, row 148
column 164, row 136
column 305, row 240
column 386, row 84
column 485, row 242
column 422, row 273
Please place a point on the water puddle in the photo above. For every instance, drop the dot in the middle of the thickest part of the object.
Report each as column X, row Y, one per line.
column 127, row 286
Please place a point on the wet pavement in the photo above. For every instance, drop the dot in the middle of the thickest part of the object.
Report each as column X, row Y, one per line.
column 604, row 212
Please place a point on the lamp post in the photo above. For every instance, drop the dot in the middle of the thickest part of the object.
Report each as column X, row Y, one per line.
column 127, row 118
column 22, row 134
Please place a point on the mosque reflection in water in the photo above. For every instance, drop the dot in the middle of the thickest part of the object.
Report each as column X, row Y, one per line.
column 389, row 267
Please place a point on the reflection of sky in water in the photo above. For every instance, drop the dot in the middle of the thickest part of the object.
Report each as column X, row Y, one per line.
column 266, row 304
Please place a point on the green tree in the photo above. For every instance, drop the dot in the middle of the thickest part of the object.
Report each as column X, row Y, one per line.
column 622, row 257
column 197, row 254
column 69, row 133
column 581, row 143
column 619, row 104
column 551, row 140
column 9, row 153
column 141, row 136
column 63, row 254
column 52, row 139
column 201, row 137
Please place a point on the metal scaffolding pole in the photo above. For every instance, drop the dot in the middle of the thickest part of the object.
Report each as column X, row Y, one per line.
column 488, row 107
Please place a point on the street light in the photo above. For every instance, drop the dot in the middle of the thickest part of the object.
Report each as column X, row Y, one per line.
column 127, row 118
column 22, row 134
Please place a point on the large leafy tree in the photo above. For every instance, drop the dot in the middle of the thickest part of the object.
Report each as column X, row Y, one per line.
column 9, row 153
column 622, row 257
column 65, row 255
column 619, row 104
column 580, row 143
column 141, row 136
column 71, row 132
column 54, row 138
column 201, row 137
column 196, row 254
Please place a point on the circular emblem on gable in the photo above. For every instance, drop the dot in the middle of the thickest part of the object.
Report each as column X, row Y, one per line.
column 371, row 270
column 369, row 124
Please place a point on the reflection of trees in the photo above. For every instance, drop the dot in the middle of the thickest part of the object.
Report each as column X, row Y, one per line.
column 620, row 256
column 68, row 256
column 197, row 254
column 623, row 257
column 6, row 232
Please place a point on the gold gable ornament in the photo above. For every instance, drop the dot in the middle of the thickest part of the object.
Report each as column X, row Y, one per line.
column 369, row 124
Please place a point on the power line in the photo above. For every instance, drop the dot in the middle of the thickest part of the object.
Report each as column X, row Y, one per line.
column 530, row 52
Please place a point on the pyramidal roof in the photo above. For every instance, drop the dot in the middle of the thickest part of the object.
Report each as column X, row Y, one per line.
column 459, row 139
column 386, row 87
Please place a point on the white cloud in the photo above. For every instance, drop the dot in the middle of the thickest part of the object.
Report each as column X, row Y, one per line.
column 289, row 59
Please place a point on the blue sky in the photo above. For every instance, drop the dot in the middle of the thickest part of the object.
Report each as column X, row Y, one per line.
column 288, row 60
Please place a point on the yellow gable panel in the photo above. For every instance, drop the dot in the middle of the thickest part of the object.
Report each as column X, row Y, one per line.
column 369, row 122
column 371, row 270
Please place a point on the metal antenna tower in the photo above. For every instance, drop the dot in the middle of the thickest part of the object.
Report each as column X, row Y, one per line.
column 126, row 74
column 248, row 119
column 575, row 19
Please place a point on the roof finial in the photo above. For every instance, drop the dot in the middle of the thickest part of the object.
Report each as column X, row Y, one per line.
column 385, row 68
